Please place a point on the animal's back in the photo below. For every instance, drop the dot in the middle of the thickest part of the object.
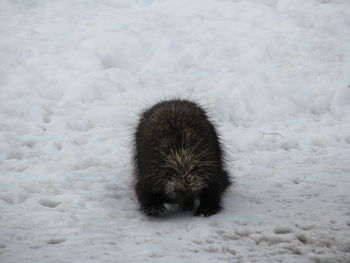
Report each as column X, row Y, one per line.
column 174, row 125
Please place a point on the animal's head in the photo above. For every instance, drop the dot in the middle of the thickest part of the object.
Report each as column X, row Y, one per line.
column 184, row 190
column 185, row 180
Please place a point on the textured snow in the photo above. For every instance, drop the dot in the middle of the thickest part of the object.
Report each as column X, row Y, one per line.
column 74, row 75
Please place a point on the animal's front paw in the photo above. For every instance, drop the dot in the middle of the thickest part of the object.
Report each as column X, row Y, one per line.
column 207, row 211
column 154, row 210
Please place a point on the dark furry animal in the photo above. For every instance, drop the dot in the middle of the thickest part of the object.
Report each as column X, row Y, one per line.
column 178, row 159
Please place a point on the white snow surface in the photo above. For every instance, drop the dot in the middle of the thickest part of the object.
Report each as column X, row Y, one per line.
column 74, row 76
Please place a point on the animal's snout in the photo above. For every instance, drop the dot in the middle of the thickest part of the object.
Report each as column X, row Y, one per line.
column 187, row 204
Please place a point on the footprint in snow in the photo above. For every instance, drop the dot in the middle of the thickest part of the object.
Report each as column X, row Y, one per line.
column 282, row 230
column 14, row 198
column 49, row 203
column 55, row 241
column 58, row 146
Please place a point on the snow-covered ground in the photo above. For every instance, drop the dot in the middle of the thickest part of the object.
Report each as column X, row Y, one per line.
column 74, row 75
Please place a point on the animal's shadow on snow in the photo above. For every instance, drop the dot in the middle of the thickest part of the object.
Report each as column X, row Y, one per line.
column 172, row 212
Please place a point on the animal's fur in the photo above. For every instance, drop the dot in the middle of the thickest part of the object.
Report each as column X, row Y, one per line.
column 178, row 159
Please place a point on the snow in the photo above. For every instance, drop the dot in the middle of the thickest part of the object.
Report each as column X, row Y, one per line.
column 74, row 75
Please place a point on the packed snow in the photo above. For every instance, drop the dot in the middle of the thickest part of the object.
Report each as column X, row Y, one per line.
column 74, row 76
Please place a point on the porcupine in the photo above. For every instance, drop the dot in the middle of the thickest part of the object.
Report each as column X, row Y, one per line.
column 178, row 159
